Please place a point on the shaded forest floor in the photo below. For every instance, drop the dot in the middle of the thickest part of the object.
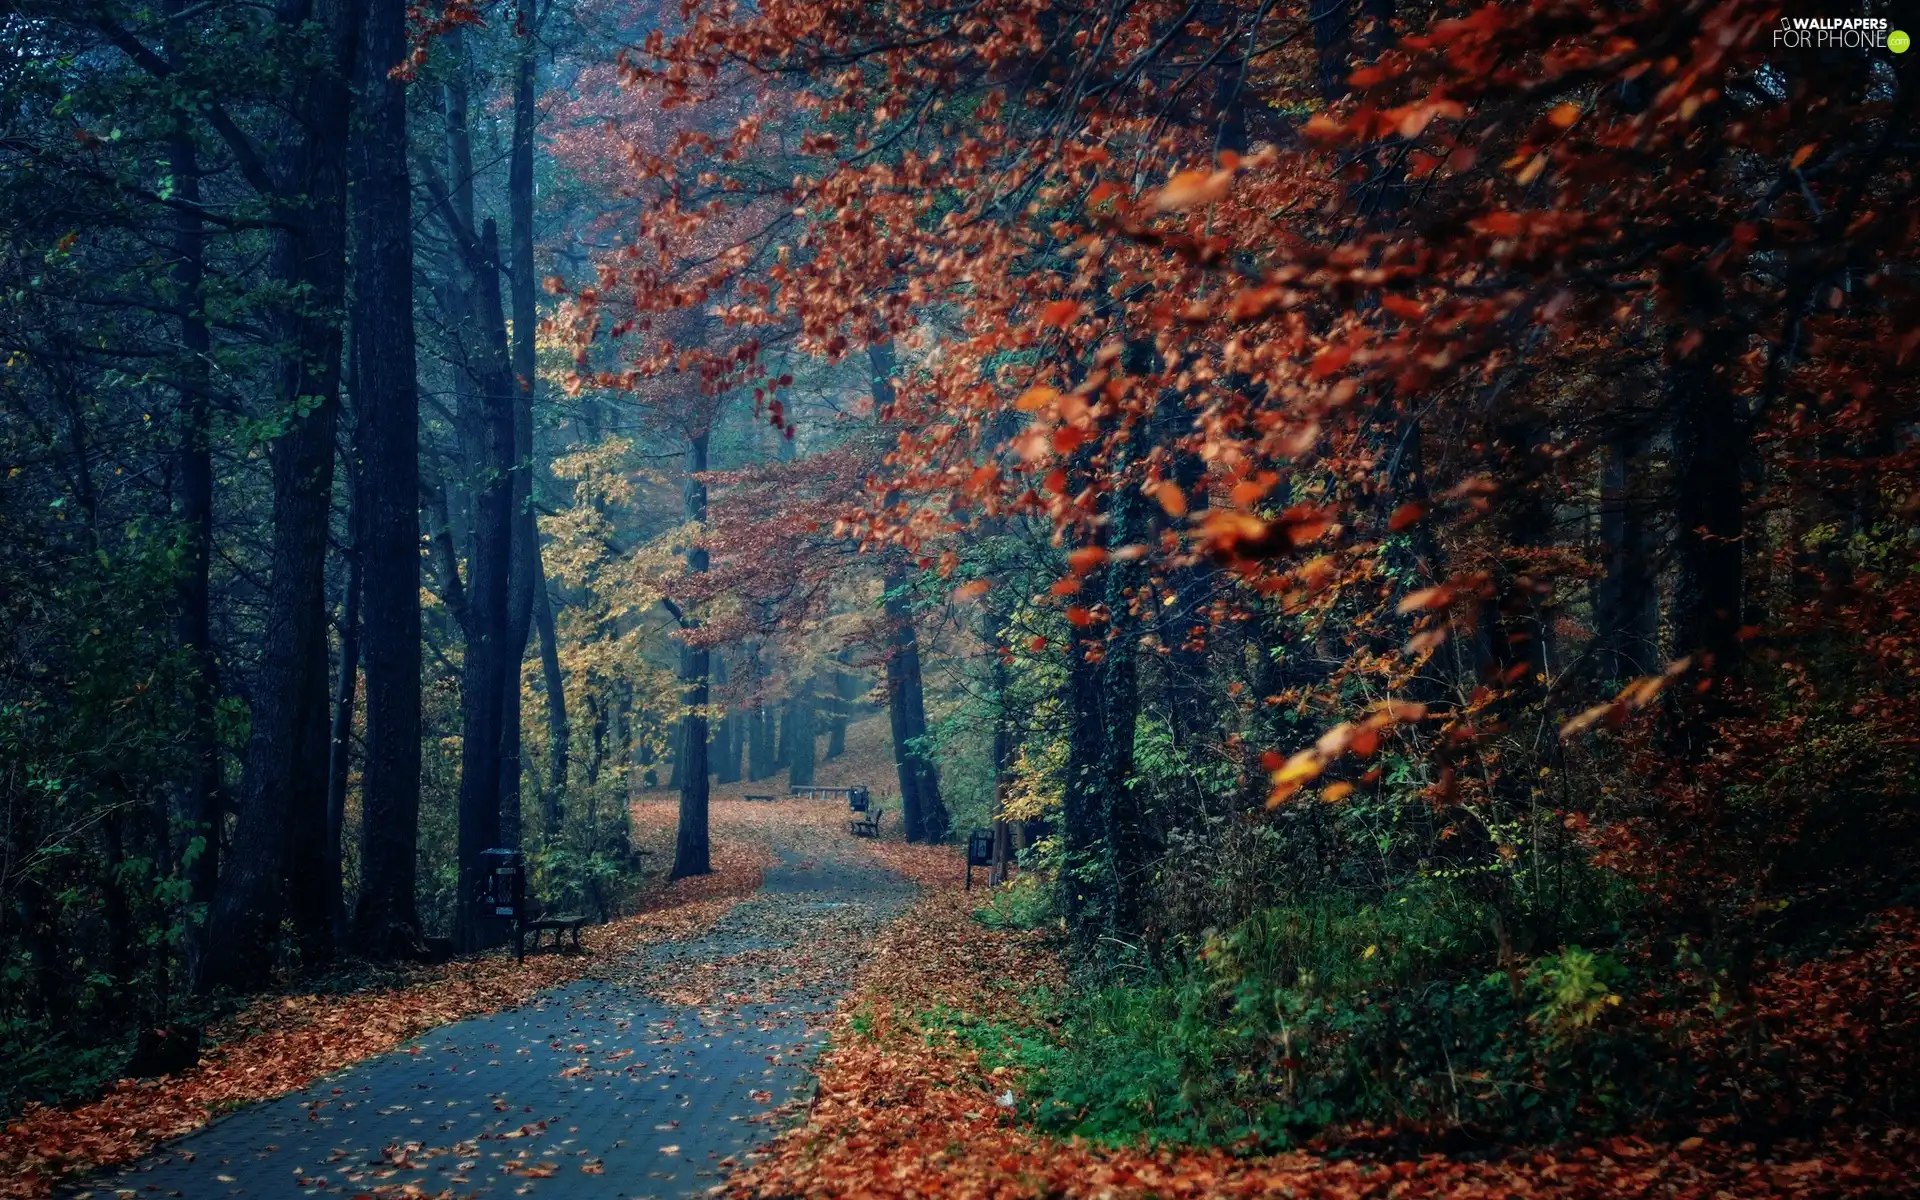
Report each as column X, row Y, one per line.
column 909, row 1105
column 663, row 1063
column 284, row 1041
column 279, row 1043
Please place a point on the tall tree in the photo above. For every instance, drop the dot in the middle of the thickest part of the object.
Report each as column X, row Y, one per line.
column 386, row 917
column 278, row 787
column 201, row 805
column 525, row 573
column 692, row 854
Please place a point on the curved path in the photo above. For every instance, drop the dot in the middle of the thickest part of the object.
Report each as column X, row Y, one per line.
column 648, row 1080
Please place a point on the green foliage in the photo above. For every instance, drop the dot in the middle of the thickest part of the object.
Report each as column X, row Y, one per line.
column 1024, row 902
column 1304, row 1016
column 93, row 708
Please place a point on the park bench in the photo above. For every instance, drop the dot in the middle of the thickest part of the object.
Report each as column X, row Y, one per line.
column 559, row 925
column 867, row 824
column 820, row 793
column 762, row 797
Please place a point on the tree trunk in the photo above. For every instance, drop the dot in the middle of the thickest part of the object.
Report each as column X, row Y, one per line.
column 999, row 684
column 922, row 812
column 1082, row 817
column 1129, row 855
column 1332, row 22
column 526, row 574
column 340, row 740
column 717, row 729
column 759, row 743
column 193, row 509
column 310, row 257
column 1625, row 607
column 386, row 919
column 309, row 868
column 559, row 731
column 691, row 852
column 800, row 735
column 845, row 691
column 1709, row 449
column 732, row 731
column 487, row 663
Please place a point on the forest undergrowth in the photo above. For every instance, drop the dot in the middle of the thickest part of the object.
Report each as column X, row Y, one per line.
column 961, row 1068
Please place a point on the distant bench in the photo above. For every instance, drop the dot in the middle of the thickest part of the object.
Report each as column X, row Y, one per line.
column 822, row 793
column 867, row 824
column 559, row 925
column 762, row 797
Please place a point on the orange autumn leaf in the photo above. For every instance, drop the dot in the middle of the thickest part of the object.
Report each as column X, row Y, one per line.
column 1406, row 515
column 1331, row 360
column 1036, row 398
column 1085, row 559
column 1190, row 188
column 971, row 590
column 1060, row 312
column 1426, row 598
column 1171, row 498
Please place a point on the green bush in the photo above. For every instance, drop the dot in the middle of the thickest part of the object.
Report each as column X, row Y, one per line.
column 1025, row 902
column 1306, row 1016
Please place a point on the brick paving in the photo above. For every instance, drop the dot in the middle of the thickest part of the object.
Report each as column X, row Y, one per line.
column 649, row 1080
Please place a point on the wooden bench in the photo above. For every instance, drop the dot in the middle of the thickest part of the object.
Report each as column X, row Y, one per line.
column 559, row 925
column 819, row 793
column 867, row 824
column 763, row 797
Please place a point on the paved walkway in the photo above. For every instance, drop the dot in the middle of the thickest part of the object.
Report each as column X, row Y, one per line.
column 649, row 1080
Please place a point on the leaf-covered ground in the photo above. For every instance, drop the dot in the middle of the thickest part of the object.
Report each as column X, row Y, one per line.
column 283, row 1042
column 902, row 1113
column 906, row 1109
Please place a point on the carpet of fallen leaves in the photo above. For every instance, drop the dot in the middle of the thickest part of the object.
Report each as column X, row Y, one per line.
column 280, row 1043
column 897, row 1116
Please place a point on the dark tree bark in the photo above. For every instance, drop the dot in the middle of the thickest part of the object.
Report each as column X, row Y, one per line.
column 193, row 507
column 1709, row 451
column 845, row 691
column 691, row 851
column 1082, row 816
column 921, row 810
column 800, row 734
column 1625, row 604
column 340, row 740
column 309, row 254
column 729, row 770
column 526, row 575
column 717, row 729
column 760, row 752
column 999, row 686
column 726, row 768
column 1183, row 626
column 309, row 869
column 1332, row 22
column 559, row 731
column 386, row 919
column 1129, row 852
column 488, row 663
